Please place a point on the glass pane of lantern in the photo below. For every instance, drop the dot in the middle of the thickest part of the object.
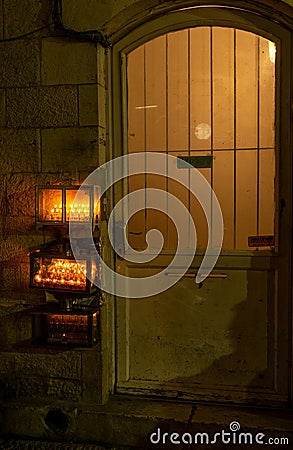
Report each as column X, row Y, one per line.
column 50, row 205
column 78, row 210
column 56, row 273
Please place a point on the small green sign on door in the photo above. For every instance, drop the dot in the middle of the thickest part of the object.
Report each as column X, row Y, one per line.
column 199, row 162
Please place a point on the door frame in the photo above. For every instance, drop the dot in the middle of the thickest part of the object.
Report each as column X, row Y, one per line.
column 214, row 16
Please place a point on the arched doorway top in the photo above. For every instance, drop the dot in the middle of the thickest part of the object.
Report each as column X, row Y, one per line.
column 196, row 16
column 115, row 18
column 138, row 12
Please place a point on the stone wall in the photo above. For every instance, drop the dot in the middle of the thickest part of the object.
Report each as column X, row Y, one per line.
column 51, row 129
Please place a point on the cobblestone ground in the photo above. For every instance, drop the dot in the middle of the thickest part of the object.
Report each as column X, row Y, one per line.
column 13, row 444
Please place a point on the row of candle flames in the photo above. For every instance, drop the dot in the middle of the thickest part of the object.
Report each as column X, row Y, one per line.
column 61, row 274
column 62, row 323
column 78, row 213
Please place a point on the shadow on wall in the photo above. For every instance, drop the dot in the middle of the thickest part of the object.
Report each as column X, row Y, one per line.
column 249, row 365
column 218, row 337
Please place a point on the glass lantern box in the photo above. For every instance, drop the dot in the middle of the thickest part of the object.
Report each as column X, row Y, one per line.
column 56, row 205
column 77, row 328
column 63, row 274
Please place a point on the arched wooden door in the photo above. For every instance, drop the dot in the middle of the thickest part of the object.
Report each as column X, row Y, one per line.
column 212, row 92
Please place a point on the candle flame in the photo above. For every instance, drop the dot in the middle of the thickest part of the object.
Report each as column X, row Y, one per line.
column 62, row 273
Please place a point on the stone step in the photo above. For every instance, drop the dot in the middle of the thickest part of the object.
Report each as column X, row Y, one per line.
column 131, row 422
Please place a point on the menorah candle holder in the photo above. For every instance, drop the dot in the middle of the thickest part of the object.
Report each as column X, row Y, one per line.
column 54, row 268
column 57, row 205
column 67, row 328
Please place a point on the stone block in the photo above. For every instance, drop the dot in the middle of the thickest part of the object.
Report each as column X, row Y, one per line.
column 3, row 179
column 24, row 276
column 63, row 389
column 127, row 426
column 21, row 195
column 31, row 387
column 69, row 149
column 19, row 225
column 19, row 151
column 91, row 375
column 11, row 248
column 1, row 19
column 23, row 421
column 6, row 363
column 88, row 105
column 66, row 62
column 20, row 63
column 94, row 14
column 54, row 106
column 10, row 277
column 31, row 297
column 15, row 324
column 42, row 362
column 2, row 108
column 25, row 16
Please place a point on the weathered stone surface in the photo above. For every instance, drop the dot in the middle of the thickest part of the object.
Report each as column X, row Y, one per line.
column 21, row 200
column 31, row 387
column 69, row 149
column 94, row 13
column 19, row 151
column 31, row 297
column 6, row 363
column 88, row 105
column 42, row 107
column 24, row 421
column 10, row 283
column 68, row 62
column 25, row 16
column 102, row 106
column 24, row 276
column 102, row 145
column 59, row 364
column 11, row 248
column 21, row 444
column 2, row 108
column 10, row 277
column 15, row 325
column 91, row 375
column 1, row 19
column 21, row 195
column 126, row 422
column 102, row 72
column 20, row 63
column 20, row 225
column 130, row 427
column 3, row 179
column 63, row 389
